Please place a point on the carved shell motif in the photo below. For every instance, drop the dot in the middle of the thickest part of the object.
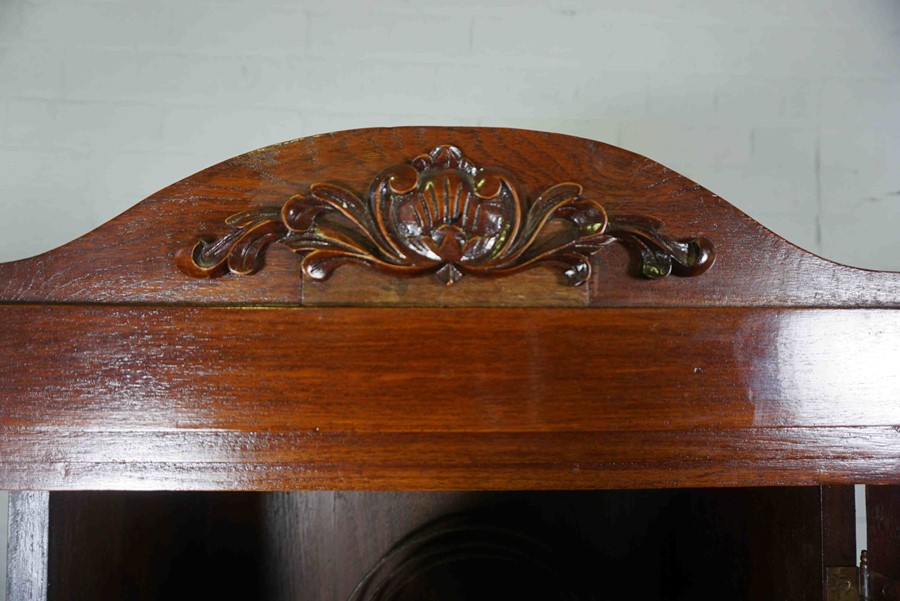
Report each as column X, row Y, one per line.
column 441, row 214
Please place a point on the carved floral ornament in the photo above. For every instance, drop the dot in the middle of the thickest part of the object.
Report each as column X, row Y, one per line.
column 442, row 214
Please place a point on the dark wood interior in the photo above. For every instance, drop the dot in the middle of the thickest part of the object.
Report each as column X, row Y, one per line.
column 742, row 543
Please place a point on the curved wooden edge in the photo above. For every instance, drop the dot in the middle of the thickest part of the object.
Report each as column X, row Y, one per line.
column 131, row 259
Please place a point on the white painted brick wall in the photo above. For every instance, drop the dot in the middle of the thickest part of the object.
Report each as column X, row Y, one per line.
column 790, row 109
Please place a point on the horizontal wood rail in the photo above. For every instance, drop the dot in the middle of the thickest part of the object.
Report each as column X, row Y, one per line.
column 364, row 398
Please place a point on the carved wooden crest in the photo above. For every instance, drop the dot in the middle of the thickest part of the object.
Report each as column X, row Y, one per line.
column 442, row 214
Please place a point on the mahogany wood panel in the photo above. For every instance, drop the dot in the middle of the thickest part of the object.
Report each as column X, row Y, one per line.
column 117, row 371
column 131, row 259
column 883, row 529
column 26, row 567
column 838, row 526
column 758, row 544
column 163, row 545
column 353, row 286
column 424, row 461
column 324, row 371
column 432, row 398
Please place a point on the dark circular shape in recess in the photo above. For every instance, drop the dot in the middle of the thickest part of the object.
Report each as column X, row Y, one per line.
column 456, row 558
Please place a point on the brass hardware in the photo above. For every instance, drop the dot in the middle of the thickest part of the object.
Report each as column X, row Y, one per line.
column 882, row 588
column 859, row 584
column 864, row 575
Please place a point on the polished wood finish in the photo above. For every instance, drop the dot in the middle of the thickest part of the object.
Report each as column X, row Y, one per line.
column 793, row 456
column 356, row 286
column 518, row 395
column 440, row 213
column 490, row 398
column 130, row 259
column 28, row 546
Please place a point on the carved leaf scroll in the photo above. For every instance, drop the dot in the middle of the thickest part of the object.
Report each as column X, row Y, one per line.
column 442, row 214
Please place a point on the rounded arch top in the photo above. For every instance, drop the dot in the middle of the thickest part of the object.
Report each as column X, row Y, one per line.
column 390, row 216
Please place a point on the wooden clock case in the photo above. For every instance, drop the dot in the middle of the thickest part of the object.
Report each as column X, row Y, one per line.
column 355, row 366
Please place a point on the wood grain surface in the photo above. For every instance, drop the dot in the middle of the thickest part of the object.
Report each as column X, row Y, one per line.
column 344, row 398
column 123, row 545
column 131, row 259
column 883, row 530
column 118, row 371
column 838, row 526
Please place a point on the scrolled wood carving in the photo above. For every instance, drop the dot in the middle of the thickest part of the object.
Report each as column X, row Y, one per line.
column 442, row 214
